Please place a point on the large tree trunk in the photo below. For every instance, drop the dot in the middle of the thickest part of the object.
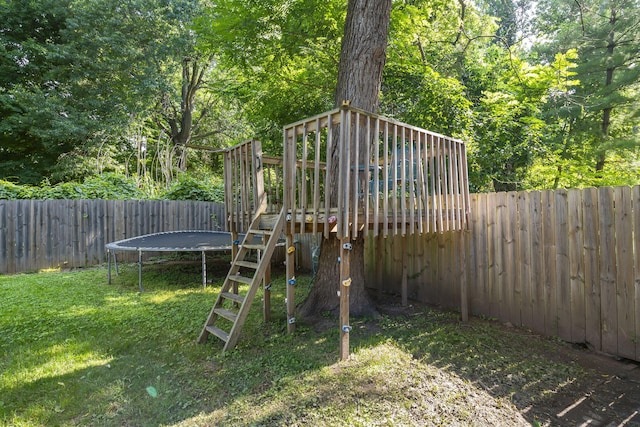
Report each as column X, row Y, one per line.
column 362, row 60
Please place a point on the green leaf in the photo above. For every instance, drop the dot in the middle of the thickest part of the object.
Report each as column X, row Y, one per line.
column 151, row 390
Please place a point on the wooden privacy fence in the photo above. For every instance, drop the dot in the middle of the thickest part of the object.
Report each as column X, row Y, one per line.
column 37, row 234
column 564, row 263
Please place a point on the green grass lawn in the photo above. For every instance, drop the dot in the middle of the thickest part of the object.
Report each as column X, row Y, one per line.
column 76, row 351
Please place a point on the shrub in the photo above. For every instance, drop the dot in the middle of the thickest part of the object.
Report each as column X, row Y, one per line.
column 189, row 188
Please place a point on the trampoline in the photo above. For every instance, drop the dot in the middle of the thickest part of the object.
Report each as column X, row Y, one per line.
column 171, row 241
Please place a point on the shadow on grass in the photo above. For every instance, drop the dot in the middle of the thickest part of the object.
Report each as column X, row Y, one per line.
column 78, row 352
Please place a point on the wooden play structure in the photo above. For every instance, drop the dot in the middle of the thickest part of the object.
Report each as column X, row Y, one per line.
column 392, row 178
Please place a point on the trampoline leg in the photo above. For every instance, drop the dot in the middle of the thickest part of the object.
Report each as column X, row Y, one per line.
column 204, row 270
column 140, row 271
column 108, row 266
column 115, row 264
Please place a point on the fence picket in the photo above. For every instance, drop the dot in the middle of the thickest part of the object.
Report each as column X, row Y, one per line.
column 636, row 297
column 592, row 267
column 608, row 270
column 563, row 279
column 576, row 265
column 537, row 262
column 624, row 272
column 523, row 259
column 513, row 291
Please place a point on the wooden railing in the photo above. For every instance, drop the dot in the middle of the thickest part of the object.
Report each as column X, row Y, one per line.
column 244, row 185
column 390, row 177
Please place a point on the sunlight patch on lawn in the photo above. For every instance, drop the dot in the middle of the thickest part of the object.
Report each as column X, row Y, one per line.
column 54, row 361
column 379, row 385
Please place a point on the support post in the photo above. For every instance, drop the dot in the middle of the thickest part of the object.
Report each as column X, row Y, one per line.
column 109, row 266
column 345, row 283
column 140, row 271
column 234, row 252
column 404, row 290
column 291, row 283
column 266, row 285
column 464, row 286
column 204, row 269
column 379, row 263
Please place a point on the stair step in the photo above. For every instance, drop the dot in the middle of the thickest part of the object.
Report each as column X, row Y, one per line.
column 262, row 232
column 248, row 264
column 254, row 246
column 227, row 314
column 232, row 296
column 214, row 330
column 241, row 279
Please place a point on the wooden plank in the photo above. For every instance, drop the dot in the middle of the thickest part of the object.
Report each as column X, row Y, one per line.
column 608, row 270
column 492, row 264
column 442, row 279
column 355, row 193
column 385, row 177
column 316, row 175
column 405, row 260
column 379, row 257
column 345, row 285
column 22, row 234
column 479, row 241
column 523, row 257
column 412, row 183
column 549, row 256
column 625, row 289
column 635, row 194
column 420, row 179
column 513, row 291
column 395, row 146
column 563, row 277
column 537, row 261
column 328, row 180
column 591, row 246
column 37, row 256
column 463, row 246
column 576, row 265
column 376, row 176
column 290, row 273
column 500, row 286
column 4, row 236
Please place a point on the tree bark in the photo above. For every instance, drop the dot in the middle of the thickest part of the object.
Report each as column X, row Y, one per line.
column 362, row 60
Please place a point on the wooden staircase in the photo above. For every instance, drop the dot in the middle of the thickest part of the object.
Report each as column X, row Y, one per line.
column 232, row 308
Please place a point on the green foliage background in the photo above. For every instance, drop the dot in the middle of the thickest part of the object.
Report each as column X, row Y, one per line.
column 89, row 87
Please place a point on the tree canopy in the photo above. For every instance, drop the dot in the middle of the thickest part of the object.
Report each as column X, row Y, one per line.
column 90, row 86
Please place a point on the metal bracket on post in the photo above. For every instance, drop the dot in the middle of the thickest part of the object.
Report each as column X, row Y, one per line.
column 347, row 246
column 292, row 320
column 346, row 329
column 292, row 281
column 267, row 287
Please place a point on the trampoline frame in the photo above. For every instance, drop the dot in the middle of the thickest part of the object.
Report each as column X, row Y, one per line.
column 121, row 245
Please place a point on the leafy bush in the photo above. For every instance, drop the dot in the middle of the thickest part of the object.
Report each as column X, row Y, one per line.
column 110, row 186
column 190, row 188
column 106, row 186
column 9, row 190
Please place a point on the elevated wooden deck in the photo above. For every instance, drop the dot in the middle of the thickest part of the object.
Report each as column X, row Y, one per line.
column 350, row 172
